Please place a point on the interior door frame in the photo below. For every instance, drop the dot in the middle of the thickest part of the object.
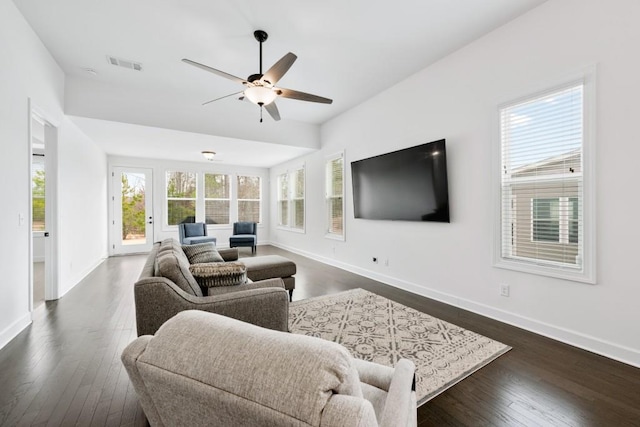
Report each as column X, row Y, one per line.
column 115, row 235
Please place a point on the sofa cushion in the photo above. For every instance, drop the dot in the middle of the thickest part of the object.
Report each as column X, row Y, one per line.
column 201, row 253
column 219, row 274
column 174, row 266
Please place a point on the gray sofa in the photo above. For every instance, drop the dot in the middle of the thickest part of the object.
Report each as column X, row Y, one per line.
column 160, row 296
column 202, row 369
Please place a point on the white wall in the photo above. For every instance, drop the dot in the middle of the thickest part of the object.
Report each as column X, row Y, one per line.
column 456, row 99
column 29, row 71
column 82, row 205
column 160, row 167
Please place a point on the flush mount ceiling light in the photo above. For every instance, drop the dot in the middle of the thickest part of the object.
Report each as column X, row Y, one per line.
column 260, row 88
column 209, row 155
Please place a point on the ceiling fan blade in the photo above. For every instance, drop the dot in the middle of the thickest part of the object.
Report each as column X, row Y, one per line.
column 278, row 69
column 214, row 71
column 302, row 96
column 273, row 111
column 222, row 97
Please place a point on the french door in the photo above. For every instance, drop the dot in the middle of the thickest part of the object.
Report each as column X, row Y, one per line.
column 132, row 210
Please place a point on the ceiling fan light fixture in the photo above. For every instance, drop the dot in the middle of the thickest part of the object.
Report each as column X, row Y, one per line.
column 209, row 155
column 260, row 95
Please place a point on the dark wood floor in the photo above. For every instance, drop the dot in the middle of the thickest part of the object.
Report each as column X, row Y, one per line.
column 65, row 369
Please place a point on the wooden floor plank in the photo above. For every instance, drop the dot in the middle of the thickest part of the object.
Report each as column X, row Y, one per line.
column 65, row 368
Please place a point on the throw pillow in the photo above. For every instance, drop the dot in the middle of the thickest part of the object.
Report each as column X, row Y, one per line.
column 201, row 253
column 219, row 274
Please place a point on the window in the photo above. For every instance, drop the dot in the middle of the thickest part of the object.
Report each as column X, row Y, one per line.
column 283, row 200
column 291, row 196
column 217, row 196
column 249, row 198
column 181, row 197
column 297, row 199
column 543, row 221
column 37, row 194
column 334, row 185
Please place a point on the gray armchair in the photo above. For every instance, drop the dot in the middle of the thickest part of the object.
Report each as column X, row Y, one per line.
column 237, row 374
column 194, row 232
column 244, row 234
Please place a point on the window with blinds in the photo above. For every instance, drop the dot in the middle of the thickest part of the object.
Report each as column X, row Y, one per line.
column 217, row 198
column 181, row 197
column 291, row 199
column 249, row 198
column 542, row 187
column 334, row 185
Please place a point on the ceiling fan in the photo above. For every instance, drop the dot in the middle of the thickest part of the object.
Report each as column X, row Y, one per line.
column 260, row 88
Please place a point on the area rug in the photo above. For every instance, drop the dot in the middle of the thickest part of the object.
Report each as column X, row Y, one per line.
column 377, row 329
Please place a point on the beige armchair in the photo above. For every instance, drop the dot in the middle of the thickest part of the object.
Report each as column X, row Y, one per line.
column 237, row 374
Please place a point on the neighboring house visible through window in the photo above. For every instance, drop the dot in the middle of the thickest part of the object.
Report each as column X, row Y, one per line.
column 544, row 222
column 217, row 197
column 334, row 189
column 249, row 196
column 291, row 199
column 181, row 197
column 37, row 193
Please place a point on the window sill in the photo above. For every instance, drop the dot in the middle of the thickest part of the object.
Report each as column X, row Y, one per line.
column 294, row 230
column 558, row 272
column 335, row 237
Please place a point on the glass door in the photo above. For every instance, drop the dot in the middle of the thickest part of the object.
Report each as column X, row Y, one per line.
column 132, row 210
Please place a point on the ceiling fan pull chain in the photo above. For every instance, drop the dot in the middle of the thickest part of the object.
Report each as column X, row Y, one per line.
column 261, row 114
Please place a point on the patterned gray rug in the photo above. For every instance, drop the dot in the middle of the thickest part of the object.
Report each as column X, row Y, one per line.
column 374, row 328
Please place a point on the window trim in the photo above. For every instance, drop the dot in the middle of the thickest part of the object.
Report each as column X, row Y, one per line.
column 328, row 234
column 587, row 273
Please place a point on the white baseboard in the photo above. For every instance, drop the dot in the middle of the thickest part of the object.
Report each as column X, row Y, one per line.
column 11, row 331
column 596, row 345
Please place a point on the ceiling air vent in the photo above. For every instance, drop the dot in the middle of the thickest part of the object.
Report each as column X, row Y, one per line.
column 124, row 63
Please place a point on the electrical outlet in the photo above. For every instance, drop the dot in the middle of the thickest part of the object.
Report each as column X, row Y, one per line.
column 504, row 290
column 386, row 262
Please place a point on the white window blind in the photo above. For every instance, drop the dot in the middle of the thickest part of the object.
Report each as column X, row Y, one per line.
column 542, row 215
column 249, row 198
column 297, row 199
column 334, row 185
column 283, row 200
column 217, row 198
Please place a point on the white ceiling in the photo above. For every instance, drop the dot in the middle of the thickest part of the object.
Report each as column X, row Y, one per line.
column 347, row 50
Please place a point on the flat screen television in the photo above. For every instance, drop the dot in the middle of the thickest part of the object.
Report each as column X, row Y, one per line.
column 404, row 185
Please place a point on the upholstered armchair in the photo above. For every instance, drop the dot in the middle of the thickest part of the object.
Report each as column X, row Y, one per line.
column 194, row 232
column 203, row 369
column 244, row 234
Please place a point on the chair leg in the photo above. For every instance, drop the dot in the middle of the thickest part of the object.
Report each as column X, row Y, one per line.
column 290, row 295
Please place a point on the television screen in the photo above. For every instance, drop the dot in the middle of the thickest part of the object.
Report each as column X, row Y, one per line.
column 405, row 185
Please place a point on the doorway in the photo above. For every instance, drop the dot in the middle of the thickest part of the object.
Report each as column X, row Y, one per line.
column 43, row 153
column 132, row 210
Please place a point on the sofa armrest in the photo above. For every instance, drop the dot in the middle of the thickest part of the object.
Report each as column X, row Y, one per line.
column 158, row 299
column 400, row 406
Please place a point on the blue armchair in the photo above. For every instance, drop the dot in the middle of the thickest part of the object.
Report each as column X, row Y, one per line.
column 194, row 232
column 244, row 234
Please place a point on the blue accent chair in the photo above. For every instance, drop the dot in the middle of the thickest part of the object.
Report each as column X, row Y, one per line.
column 244, row 234
column 194, row 232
